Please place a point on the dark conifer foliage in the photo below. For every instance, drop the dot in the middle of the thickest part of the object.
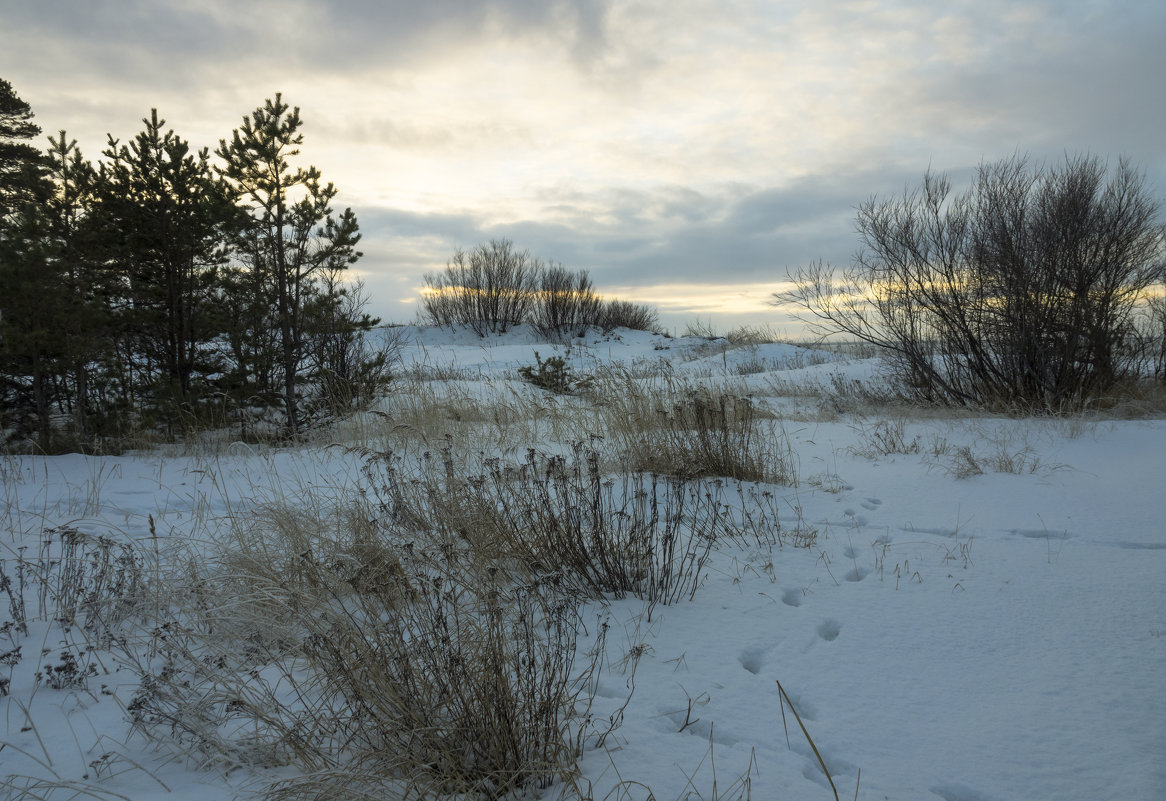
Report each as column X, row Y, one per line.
column 292, row 240
column 28, row 349
column 168, row 217
column 20, row 162
column 82, row 329
column 158, row 291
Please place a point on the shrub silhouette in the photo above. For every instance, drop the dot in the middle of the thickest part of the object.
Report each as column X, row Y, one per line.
column 1025, row 290
column 495, row 287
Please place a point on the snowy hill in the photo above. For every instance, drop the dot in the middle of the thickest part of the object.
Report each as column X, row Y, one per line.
column 966, row 608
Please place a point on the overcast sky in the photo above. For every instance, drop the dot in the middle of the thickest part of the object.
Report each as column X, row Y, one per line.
column 686, row 152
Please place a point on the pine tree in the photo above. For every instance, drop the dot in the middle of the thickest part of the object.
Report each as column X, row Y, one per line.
column 293, row 237
column 84, row 314
column 168, row 216
column 21, row 164
column 28, row 346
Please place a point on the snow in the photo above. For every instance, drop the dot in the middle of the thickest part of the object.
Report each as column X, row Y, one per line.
column 966, row 637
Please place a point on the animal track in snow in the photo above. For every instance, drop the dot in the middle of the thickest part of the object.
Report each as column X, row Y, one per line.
column 870, row 504
column 857, row 573
column 1040, row 533
column 813, row 771
column 752, row 658
column 942, row 532
column 959, row 792
column 793, row 598
column 806, row 708
column 829, row 629
column 856, row 519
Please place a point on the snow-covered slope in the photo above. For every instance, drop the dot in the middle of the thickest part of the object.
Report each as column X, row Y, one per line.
column 981, row 618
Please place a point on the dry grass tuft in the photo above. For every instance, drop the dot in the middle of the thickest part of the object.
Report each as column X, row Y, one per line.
column 320, row 639
column 559, row 518
column 672, row 428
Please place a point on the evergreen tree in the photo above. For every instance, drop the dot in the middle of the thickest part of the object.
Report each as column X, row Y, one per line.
column 21, row 164
column 83, row 314
column 28, row 345
column 168, row 216
column 293, row 237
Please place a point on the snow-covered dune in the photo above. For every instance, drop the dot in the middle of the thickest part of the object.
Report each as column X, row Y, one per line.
column 981, row 615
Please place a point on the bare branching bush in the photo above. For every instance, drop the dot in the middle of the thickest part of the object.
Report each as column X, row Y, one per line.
column 1156, row 335
column 347, row 369
column 371, row 660
column 495, row 287
column 566, row 304
column 626, row 314
column 1024, row 290
column 558, row 518
column 491, row 289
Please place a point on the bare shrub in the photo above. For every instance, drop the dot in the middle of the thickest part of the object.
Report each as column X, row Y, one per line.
column 495, row 287
column 1023, row 290
column 491, row 288
column 369, row 660
column 558, row 518
column 566, row 303
column 1156, row 336
column 625, row 314
column 349, row 364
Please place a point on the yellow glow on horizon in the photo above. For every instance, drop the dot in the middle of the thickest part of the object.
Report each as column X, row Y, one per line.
column 693, row 298
column 687, row 298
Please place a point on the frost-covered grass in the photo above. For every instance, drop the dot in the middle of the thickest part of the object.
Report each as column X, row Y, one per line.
column 486, row 589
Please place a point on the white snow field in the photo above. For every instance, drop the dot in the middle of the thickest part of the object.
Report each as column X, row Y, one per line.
column 981, row 615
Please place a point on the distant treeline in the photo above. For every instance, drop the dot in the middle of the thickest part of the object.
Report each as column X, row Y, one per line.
column 157, row 290
column 494, row 287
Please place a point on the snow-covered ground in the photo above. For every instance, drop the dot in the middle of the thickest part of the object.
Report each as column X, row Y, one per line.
column 982, row 616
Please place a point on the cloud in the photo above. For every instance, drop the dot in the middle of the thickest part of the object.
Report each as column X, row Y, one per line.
column 406, row 31
column 331, row 34
column 1089, row 91
column 639, row 241
column 704, row 142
